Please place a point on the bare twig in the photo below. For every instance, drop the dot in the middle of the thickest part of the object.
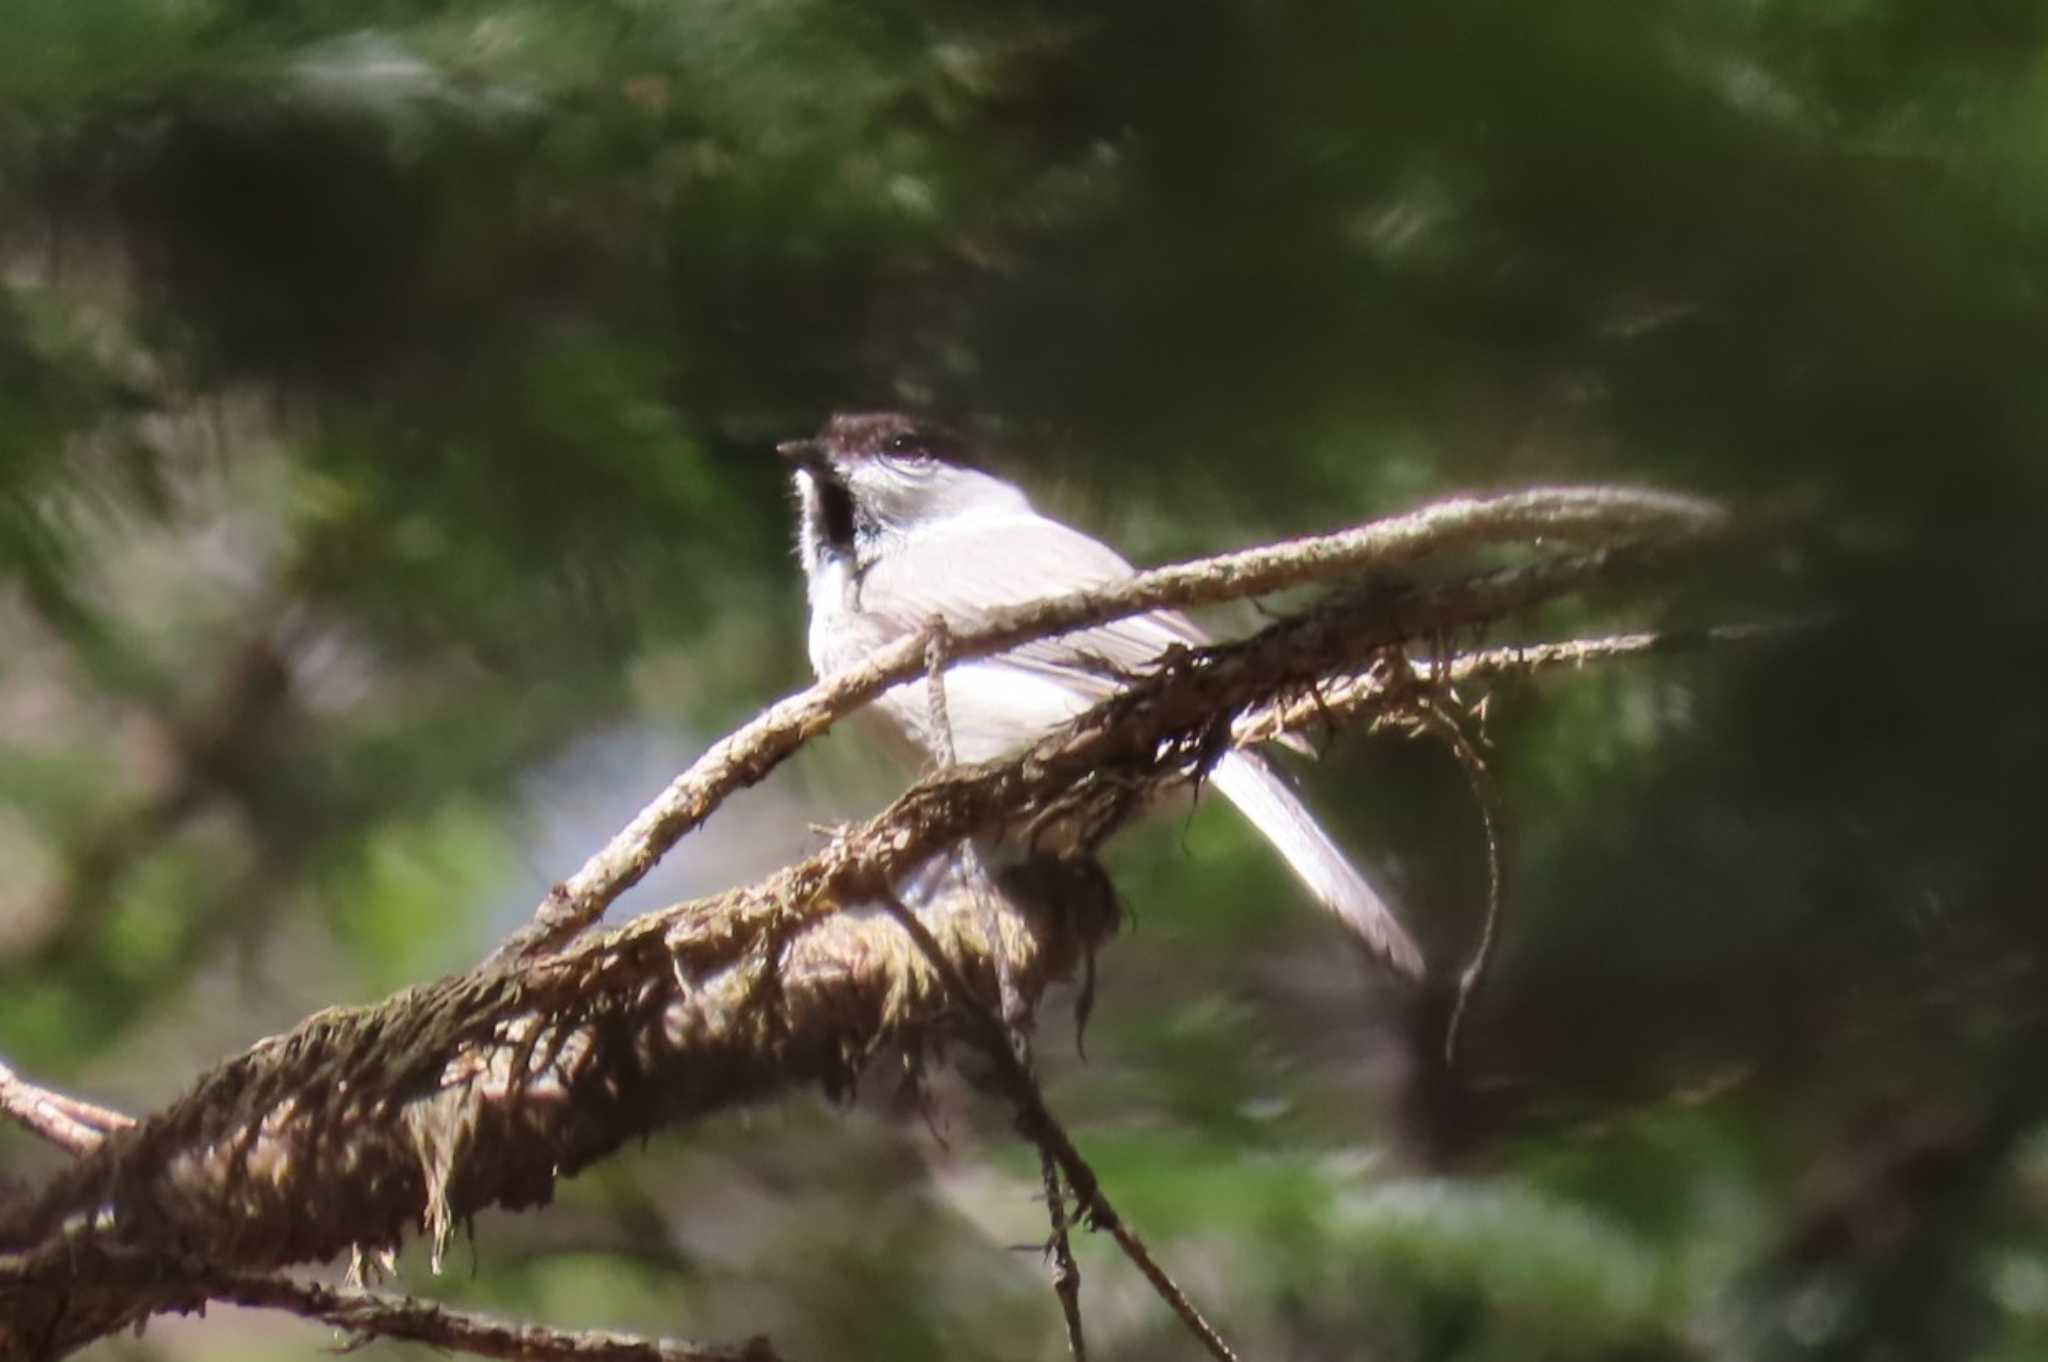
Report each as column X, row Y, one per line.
column 1346, row 697
column 1599, row 517
column 938, row 641
column 1059, row 1252
column 1423, row 684
column 1037, row 1123
column 1441, row 721
column 64, row 1121
column 1039, row 1126
column 375, row 1313
column 937, row 655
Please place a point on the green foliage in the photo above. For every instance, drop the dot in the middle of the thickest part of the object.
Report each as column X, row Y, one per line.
column 385, row 392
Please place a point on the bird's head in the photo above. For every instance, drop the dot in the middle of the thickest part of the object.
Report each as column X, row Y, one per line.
column 867, row 476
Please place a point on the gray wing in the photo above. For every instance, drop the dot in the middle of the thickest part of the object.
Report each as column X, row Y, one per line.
column 951, row 573
column 957, row 573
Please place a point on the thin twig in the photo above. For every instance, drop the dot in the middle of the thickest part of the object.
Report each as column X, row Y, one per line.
column 937, row 655
column 1042, row 1129
column 383, row 1315
column 1344, row 697
column 1329, row 701
column 1446, row 726
column 1596, row 516
column 1037, row 1123
column 1059, row 1250
column 64, row 1121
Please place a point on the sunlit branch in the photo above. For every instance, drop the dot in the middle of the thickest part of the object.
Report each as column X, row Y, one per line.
column 64, row 1121
column 1589, row 517
column 1346, row 697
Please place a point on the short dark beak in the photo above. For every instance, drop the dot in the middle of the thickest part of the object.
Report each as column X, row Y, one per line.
column 802, row 453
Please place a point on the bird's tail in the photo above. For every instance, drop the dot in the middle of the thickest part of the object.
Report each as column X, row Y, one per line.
column 1257, row 790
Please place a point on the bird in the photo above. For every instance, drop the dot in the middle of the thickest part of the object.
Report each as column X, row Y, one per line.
column 898, row 529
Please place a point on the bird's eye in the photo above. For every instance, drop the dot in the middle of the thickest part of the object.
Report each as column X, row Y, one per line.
column 919, row 450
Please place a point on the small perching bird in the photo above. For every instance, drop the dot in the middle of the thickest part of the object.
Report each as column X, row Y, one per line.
column 896, row 531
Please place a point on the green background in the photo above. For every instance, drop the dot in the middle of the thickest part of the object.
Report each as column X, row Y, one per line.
column 386, row 511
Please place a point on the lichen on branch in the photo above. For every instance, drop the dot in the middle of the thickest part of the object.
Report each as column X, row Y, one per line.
column 480, row 1090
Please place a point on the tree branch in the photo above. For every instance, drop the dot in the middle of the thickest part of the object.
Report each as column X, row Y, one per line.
column 64, row 1121
column 1036, row 1123
column 483, row 1089
column 439, row 1326
column 80, row 1126
column 1348, row 697
column 1059, row 1255
column 1600, row 517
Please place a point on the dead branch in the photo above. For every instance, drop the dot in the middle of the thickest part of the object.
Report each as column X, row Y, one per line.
column 1036, row 1123
column 80, row 1126
column 1368, row 692
column 1059, row 1256
column 366, row 1123
column 64, row 1121
column 481, row 1090
column 1596, row 517
column 379, row 1314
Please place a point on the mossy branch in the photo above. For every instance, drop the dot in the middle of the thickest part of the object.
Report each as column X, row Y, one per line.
column 480, row 1090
